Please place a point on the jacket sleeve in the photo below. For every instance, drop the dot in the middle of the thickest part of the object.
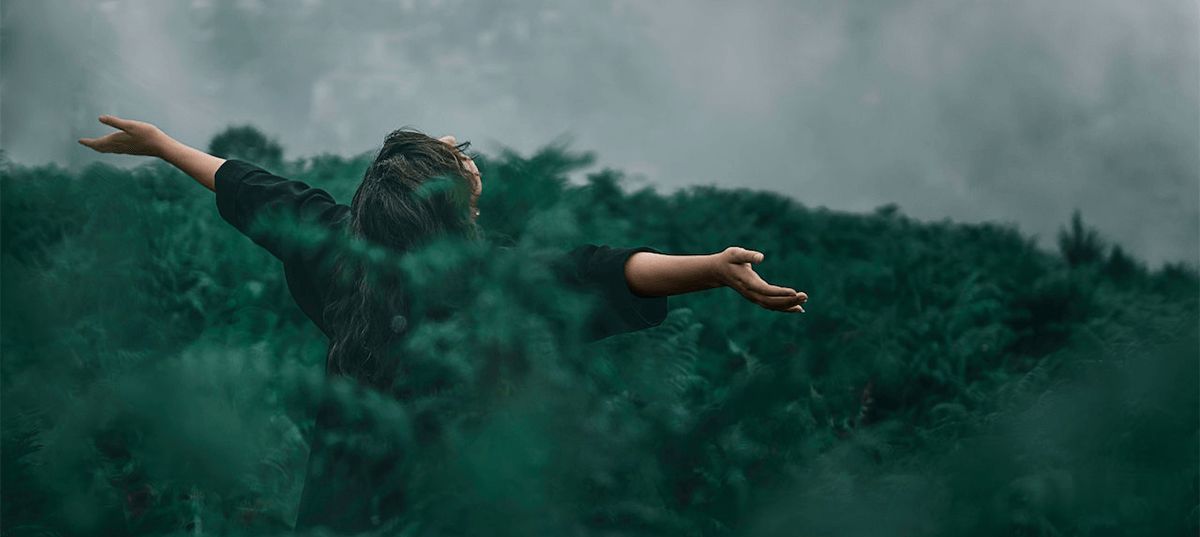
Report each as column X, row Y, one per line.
column 601, row 269
column 246, row 192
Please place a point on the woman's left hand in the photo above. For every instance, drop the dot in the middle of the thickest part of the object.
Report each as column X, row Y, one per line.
column 134, row 138
column 734, row 271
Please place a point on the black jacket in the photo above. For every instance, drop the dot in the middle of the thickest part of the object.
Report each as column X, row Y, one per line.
column 245, row 191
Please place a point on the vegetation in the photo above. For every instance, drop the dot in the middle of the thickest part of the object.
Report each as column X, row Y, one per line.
column 247, row 143
column 948, row 379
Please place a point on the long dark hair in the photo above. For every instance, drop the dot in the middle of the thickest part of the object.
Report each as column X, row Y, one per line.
column 391, row 209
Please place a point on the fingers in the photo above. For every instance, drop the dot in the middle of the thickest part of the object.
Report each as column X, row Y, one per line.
column 123, row 124
column 781, row 304
column 96, row 143
column 789, row 307
column 760, row 286
column 110, row 121
column 775, row 290
column 743, row 255
column 774, row 297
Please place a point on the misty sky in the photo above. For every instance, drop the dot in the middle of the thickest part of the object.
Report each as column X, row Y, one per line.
column 1015, row 111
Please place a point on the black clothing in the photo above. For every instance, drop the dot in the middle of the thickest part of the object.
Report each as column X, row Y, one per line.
column 245, row 191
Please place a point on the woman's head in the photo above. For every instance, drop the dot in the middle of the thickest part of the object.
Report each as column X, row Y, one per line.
column 389, row 207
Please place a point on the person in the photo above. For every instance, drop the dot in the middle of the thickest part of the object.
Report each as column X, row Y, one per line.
column 634, row 282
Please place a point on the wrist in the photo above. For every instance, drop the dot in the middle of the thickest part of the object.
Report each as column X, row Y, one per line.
column 199, row 165
column 716, row 272
column 162, row 146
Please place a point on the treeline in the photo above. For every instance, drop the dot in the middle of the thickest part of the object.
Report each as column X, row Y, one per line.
column 948, row 379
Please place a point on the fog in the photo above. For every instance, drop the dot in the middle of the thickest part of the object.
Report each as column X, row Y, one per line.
column 1018, row 111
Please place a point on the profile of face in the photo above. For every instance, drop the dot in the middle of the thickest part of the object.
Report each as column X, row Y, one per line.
column 470, row 164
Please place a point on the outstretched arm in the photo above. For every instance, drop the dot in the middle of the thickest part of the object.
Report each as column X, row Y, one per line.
column 650, row 275
column 139, row 138
column 198, row 164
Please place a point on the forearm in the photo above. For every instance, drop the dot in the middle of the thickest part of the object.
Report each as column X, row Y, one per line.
column 652, row 275
column 199, row 165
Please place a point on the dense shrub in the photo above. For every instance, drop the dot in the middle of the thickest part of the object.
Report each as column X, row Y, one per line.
column 948, row 379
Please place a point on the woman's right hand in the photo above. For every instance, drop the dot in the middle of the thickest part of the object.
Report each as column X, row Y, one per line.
column 735, row 271
column 133, row 138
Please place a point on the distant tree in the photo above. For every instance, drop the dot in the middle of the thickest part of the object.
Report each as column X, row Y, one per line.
column 888, row 211
column 1177, row 280
column 1122, row 267
column 606, row 189
column 246, row 143
column 1080, row 245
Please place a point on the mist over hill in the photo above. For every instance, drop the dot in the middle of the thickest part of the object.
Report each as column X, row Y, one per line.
column 1018, row 112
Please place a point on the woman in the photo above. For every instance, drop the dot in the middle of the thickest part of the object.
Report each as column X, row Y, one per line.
column 634, row 282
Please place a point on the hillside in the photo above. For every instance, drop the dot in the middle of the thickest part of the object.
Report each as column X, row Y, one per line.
column 948, row 379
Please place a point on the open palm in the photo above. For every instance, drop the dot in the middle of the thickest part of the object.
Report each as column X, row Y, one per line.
column 133, row 138
column 737, row 273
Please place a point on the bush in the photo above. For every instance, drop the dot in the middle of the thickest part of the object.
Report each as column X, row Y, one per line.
column 249, row 144
column 1080, row 245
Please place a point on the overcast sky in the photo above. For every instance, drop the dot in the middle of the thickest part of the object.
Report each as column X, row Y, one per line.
column 1014, row 111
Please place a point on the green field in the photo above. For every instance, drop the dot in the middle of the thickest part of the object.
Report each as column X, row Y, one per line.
column 948, row 379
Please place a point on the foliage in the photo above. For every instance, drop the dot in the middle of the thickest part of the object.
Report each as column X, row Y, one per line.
column 948, row 379
column 1080, row 245
column 247, row 143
